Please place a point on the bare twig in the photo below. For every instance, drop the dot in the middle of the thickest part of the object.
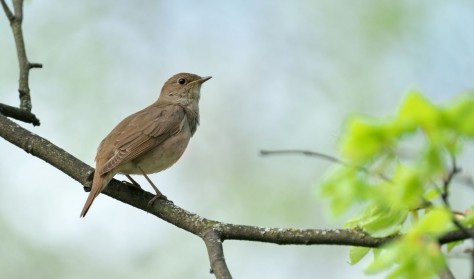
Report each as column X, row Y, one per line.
column 323, row 156
column 7, row 10
column 16, row 20
column 445, row 197
column 447, row 181
column 446, row 274
column 305, row 152
column 19, row 114
column 466, row 179
column 18, row 8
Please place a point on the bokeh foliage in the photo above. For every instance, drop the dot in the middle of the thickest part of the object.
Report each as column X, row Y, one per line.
column 393, row 183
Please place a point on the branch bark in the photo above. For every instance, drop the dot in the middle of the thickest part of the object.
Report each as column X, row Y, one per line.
column 213, row 242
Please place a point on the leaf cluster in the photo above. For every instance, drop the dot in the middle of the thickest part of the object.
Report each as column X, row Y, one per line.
column 401, row 189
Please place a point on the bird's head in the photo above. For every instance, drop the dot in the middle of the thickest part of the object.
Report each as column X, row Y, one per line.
column 183, row 88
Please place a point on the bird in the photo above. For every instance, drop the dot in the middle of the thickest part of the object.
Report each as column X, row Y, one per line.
column 152, row 139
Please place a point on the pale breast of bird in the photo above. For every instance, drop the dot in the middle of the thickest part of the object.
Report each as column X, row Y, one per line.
column 163, row 156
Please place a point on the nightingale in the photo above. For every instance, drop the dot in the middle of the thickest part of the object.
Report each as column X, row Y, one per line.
column 152, row 139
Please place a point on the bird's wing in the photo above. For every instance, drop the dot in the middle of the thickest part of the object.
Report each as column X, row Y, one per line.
column 142, row 132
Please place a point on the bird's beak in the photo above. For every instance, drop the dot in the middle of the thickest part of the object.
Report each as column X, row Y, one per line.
column 204, row 79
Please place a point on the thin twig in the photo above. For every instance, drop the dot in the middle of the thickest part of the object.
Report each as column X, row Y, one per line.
column 25, row 66
column 35, row 65
column 447, row 181
column 7, row 10
column 466, row 179
column 445, row 197
column 18, row 8
column 305, row 152
column 19, row 114
column 323, row 156
column 446, row 273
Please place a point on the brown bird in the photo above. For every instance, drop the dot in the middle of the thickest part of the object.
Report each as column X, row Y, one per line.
column 152, row 139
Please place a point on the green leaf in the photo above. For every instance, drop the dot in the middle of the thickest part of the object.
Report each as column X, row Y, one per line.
column 357, row 253
column 411, row 256
column 364, row 140
column 454, row 244
column 406, row 189
column 435, row 222
column 390, row 185
column 461, row 115
column 432, row 194
column 468, row 219
column 345, row 186
column 416, row 110
column 432, row 160
column 379, row 221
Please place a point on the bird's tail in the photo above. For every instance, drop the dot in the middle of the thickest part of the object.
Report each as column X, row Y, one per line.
column 98, row 185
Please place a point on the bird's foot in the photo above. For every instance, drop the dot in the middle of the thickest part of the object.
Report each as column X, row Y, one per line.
column 88, row 182
column 133, row 184
column 129, row 184
column 158, row 196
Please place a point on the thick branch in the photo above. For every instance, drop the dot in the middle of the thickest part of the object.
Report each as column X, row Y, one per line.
column 294, row 236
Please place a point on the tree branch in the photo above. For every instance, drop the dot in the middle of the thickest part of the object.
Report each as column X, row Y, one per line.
column 16, row 20
column 212, row 232
column 215, row 251
column 19, row 114
column 7, row 11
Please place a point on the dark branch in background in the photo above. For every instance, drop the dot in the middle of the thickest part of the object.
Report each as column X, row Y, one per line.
column 445, row 197
column 16, row 18
column 8, row 13
column 212, row 232
column 323, row 156
column 305, row 152
column 466, row 179
column 19, row 114
column 446, row 274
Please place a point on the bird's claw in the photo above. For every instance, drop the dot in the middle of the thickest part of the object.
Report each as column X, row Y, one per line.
column 134, row 185
column 160, row 196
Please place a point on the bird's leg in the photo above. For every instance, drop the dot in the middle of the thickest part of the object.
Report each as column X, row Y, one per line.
column 134, row 183
column 158, row 195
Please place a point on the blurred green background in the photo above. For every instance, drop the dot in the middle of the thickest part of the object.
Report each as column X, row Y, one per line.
column 285, row 75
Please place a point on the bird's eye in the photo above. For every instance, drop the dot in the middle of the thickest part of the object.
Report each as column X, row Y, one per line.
column 181, row 81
